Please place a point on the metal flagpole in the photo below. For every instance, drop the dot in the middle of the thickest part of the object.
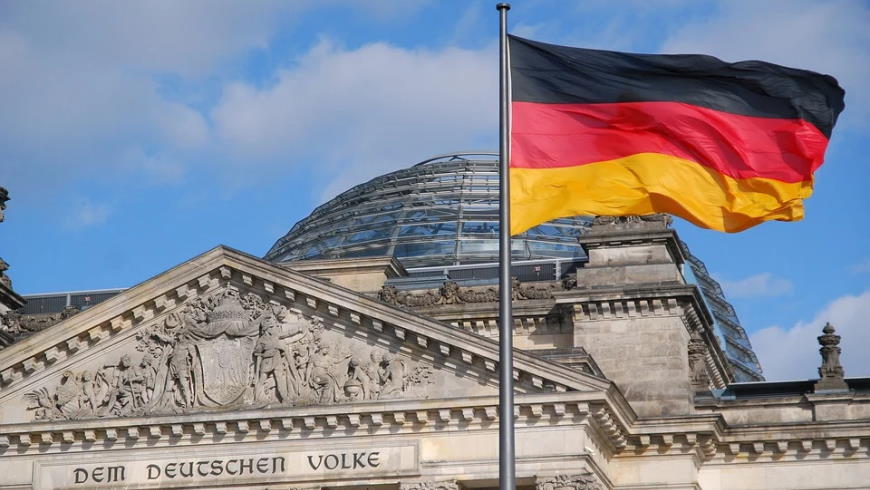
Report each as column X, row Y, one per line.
column 506, row 463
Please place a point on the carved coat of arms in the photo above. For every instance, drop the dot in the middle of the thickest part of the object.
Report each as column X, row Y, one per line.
column 231, row 351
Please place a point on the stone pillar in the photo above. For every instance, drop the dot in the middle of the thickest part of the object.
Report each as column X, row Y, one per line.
column 644, row 354
column 636, row 334
column 830, row 372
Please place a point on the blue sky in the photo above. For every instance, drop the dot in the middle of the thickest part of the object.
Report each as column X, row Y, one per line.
column 134, row 136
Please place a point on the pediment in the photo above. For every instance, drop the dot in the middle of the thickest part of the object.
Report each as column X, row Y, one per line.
column 228, row 331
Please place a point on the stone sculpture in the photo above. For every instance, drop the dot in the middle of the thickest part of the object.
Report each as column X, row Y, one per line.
column 568, row 482
column 430, row 485
column 450, row 293
column 831, row 371
column 661, row 219
column 698, row 362
column 228, row 351
column 4, row 196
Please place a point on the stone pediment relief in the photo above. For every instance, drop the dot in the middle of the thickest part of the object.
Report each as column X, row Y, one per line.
column 246, row 335
column 229, row 350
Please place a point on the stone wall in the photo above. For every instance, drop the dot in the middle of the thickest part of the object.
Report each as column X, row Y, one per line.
column 646, row 357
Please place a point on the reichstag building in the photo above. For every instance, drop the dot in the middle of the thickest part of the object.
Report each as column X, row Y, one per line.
column 361, row 352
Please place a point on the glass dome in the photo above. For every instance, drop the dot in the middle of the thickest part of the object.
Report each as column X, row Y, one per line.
column 442, row 211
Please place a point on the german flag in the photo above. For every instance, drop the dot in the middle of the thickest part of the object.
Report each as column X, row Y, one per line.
column 723, row 145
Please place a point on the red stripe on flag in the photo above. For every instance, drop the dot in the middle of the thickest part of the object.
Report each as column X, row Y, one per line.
column 567, row 135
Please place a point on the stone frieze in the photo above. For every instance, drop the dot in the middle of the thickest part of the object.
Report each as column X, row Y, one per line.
column 568, row 482
column 227, row 351
column 450, row 293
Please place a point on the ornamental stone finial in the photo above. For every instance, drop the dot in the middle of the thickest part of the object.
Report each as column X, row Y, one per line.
column 830, row 372
column 4, row 279
column 4, row 196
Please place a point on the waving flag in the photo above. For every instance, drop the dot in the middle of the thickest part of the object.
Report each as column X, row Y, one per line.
column 723, row 145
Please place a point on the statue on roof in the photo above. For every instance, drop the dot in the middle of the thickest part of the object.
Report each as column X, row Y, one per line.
column 4, row 196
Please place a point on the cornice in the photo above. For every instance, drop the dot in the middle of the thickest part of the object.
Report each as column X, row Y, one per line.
column 353, row 419
column 633, row 236
column 10, row 297
column 336, row 305
column 386, row 264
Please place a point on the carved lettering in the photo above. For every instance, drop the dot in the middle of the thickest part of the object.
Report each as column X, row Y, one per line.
column 345, row 461
column 116, row 473
column 190, row 469
column 263, row 465
column 374, row 459
column 311, row 462
column 287, row 465
column 275, row 462
column 99, row 474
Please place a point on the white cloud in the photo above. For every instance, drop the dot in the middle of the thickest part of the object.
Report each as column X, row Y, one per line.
column 188, row 38
column 87, row 213
column 793, row 353
column 828, row 37
column 79, row 86
column 763, row 284
column 861, row 267
column 363, row 111
column 86, row 83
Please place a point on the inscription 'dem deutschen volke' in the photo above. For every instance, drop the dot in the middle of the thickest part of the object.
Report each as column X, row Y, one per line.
column 275, row 467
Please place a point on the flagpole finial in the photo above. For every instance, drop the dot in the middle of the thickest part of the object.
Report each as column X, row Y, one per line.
column 503, row 6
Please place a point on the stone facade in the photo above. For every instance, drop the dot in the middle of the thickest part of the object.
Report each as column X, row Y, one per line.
column 230, row 371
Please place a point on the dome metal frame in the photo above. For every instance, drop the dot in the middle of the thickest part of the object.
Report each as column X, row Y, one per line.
column 443, row 212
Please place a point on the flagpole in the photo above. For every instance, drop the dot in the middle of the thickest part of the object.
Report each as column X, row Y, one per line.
column 506, row 462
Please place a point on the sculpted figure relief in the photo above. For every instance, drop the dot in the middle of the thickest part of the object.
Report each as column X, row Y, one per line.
column 697, row 350
column 430, row 485
column 230, row 351
column 661, row 219
column 568, row 482
column 451, row 293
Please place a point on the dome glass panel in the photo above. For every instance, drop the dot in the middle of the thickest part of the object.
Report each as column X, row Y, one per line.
column 444, row 212
column 441, row 211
